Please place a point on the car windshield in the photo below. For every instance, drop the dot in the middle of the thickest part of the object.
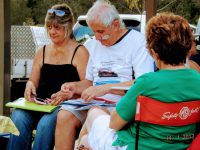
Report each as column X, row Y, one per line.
column 81, row 33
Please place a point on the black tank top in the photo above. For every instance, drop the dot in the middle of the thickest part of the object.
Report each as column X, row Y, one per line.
column 53, row 76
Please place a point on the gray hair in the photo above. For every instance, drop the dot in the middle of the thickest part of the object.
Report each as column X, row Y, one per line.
column 103, row 11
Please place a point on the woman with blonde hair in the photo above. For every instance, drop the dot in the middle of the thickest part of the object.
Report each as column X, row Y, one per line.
column 61, row 61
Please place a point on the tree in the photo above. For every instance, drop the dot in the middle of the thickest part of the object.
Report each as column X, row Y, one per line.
column 19, row 12
column 190, row 9
column 35, row 10
column 134, row 4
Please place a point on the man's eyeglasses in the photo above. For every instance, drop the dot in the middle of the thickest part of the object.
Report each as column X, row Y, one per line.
column 59, row 13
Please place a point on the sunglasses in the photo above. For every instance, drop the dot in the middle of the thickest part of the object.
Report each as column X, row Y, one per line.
column 59, row 13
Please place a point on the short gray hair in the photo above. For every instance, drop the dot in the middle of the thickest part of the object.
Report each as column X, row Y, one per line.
column 103, row 11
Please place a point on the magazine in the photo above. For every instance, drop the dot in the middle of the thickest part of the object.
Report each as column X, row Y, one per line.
column 80, row 104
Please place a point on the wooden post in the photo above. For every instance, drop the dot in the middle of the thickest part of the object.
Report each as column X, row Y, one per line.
column 150, row 7
column 4, row 55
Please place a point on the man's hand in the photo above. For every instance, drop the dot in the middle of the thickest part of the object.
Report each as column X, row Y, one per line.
column 69, row 87
column 94, row 91
column 30, row 91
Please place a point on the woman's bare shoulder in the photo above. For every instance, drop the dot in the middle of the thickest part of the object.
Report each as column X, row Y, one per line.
column 82, row 50
column 81, row 56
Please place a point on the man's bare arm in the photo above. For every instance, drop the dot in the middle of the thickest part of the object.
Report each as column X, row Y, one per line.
column 81, row 86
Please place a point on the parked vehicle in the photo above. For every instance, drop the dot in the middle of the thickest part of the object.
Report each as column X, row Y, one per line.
column 197, row 35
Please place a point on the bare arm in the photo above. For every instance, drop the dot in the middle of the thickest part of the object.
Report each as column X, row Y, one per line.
column 80, row 62
column 73, row 89
column 36, row 68
column 116, row 122
column 33, row 82
column 96, row 91
column 119, row 92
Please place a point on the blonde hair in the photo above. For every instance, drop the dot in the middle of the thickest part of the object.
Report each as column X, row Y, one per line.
column 67, row 20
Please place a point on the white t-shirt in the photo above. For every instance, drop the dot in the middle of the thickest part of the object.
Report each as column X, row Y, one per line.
column 116, row 63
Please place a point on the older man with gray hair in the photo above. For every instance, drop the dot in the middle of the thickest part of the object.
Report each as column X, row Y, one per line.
column 116, row 55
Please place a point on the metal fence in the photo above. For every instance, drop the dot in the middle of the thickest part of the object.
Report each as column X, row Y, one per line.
column 25, row 40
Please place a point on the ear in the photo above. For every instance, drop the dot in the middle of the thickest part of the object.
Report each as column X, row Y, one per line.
column 155, row 57
column 116, row 24
column 151, row 51
column 154, row 54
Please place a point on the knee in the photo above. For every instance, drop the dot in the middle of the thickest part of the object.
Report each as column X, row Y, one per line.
column 23, row 121
column 20, row 117
column 94, row 110
column 63, row 116
column 47, row 123
column 66, row 118
column 93, row 113
column 17, row 114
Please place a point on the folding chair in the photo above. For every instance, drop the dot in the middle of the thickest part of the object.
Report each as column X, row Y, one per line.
column 156, row 112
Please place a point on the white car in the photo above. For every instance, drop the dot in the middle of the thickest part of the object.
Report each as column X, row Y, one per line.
column 82, row 31
column 197, row 35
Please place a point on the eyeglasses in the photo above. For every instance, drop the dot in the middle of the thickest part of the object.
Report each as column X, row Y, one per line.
column 59, row 13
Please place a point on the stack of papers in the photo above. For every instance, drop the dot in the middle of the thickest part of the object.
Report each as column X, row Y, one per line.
column 24, row 104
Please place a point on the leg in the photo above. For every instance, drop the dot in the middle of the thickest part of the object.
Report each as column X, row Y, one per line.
column 82, row 133
column 66, row 127
column 23, row 120
column 84, row 142
column 44, row 139
column 92, row 115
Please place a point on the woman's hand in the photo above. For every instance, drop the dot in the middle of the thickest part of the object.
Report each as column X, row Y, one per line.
column 30, row 91
column 60, row 96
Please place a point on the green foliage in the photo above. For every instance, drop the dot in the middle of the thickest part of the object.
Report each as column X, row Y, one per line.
column 29, row 22
column 34, row 11
column 134, row 4
column 190, row 9
column 19, row 12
